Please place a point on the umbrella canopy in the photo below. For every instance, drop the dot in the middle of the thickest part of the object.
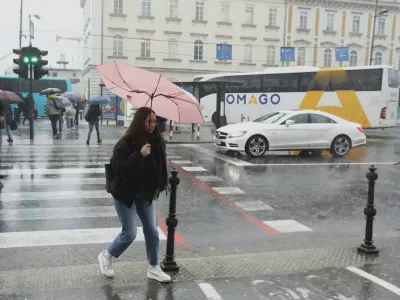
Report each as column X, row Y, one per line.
column 64, row 101
column 10, row 96
column 72, row 96
column 50, row 91
column 145, row 88
column 99, row 100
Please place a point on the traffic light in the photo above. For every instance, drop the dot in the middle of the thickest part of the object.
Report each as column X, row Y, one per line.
column 23, row 68
column 38, row 67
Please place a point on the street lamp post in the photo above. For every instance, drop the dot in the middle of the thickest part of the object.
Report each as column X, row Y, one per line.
column 373, row 31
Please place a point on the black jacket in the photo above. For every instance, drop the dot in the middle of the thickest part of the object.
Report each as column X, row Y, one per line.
column 94, row 113
column 6, row 112
column 136, row 174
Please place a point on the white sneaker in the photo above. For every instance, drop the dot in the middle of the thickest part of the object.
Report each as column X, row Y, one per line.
column 155, row 272
column 106, row 265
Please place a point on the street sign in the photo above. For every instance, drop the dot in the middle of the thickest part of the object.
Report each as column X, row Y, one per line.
column 31, row 30
column 224, row 52
column 287, row 54
column 342, row 54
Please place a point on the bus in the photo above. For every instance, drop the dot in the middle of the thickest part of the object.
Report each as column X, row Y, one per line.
column 11, row 83
column 366, row 95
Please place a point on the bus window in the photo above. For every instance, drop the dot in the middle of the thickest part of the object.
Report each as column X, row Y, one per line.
column 366, row 80
column 305, row 81
column 321, row 81
column 340, row 81
column 393, row 78
column 9, row 84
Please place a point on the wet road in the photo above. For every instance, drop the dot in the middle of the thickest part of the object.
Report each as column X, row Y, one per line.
column 295, row 220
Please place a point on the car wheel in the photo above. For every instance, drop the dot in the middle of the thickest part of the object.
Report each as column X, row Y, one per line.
column 341, row 145
column 256, row 146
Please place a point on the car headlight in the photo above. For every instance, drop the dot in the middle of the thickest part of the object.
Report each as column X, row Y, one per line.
column 237, row 134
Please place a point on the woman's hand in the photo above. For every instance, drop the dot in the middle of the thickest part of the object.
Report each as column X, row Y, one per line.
column 146, row 149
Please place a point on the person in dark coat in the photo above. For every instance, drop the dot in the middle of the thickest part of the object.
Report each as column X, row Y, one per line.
column 140, row 167
column 7, row 118
column 93, row 116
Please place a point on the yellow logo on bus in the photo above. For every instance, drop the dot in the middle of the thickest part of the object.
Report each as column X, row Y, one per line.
column 351, row 109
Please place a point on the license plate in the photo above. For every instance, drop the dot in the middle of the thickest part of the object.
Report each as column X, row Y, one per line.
column 218, row 142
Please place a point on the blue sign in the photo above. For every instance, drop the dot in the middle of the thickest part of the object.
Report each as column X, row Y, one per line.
column 287, row 54
column 342, row 54
column 224, row 52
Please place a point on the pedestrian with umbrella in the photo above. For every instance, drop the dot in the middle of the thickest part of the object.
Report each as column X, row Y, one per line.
column 93, row 116
column 140, row 174
column 64, row 104
column 6, row 119
column 53, row 107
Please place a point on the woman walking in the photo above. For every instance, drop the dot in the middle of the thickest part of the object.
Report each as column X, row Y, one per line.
column 93, row 117
column 139, row 164
column 53, row 113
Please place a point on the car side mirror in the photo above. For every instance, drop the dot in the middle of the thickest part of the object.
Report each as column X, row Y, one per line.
column 289, row 122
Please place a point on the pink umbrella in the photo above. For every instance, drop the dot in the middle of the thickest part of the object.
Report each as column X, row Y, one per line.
column 10, row 96
column 145, row 88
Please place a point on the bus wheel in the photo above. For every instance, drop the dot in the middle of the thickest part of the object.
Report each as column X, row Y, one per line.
column 256, row 146
column 341, row 145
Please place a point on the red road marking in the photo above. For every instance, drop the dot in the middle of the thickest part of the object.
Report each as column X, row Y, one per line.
column 227, row 202
column 162, row 223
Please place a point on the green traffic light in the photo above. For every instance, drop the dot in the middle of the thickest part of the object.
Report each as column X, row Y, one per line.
column 26, row 60
column 34, row 60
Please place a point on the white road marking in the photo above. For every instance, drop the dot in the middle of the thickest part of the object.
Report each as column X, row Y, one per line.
column 324, row 164
column 54, row 195
column 52, row 181
column 182, row 162
column 233, row 161
column 286, row 226
column 376, row 280
column 228, row 190
column 194, row 169
column 53, row 171
column 209, row 178
column 253, row 205
column 21, row 165
column 210, row 291
column 173, row 157
column 65, row 237
column 57, row 213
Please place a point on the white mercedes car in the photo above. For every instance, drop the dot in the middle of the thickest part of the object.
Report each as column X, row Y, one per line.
column 292, row 130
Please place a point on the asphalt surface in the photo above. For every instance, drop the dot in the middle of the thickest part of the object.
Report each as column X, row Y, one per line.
column 285, row 226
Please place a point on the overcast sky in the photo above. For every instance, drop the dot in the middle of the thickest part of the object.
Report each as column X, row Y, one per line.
column 58, row 17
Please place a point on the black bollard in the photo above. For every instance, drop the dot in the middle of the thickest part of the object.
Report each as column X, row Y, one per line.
column 370, row 212
column 169, row 264
column 1, row 184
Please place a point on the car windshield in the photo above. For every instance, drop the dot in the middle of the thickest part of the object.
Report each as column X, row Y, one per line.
column 270, row 118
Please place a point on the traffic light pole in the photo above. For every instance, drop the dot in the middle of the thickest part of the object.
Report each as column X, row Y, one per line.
column 30, row 104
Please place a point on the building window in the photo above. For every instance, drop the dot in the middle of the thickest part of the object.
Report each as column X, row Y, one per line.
column 73, row 74
column 381, row 26
column 301, row 56
column 399, row 64
column 172, row 49
column 174, row 9
column 199, row 11
column 271, row 55
column 145, row 47
column 248, row 54
column 118, row 6
column 198, row 50
column 272, row 16
column 54, row 74
column 249, row 15
column 224, row 12
column 118, row 45
column 356, row 24
column 353, row 58
column 303, row 19
column 330, row 21
column 378, row 58
column 146, row 8
column 327, row 58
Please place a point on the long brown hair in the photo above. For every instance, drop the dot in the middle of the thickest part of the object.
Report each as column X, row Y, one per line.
column 137, row 132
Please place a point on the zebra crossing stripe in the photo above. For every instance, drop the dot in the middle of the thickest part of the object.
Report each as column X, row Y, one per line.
column 54, row 195
column 210, row 291
column 52, row 171
column 65, row 237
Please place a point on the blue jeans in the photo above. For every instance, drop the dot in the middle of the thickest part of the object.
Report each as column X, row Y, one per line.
column 60, row 123
column 91, row 125
column 128, row 218
column 8, row 130
column 70, row 122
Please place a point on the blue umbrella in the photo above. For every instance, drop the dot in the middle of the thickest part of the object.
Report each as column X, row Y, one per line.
column 65, row 102
column 72, row 96
column 99, row 100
